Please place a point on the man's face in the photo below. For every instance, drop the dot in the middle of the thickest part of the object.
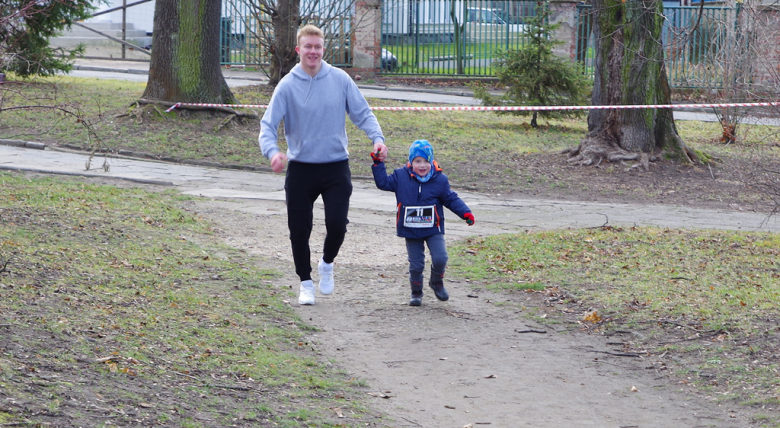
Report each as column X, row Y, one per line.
column 420, row 166
column 310, row 51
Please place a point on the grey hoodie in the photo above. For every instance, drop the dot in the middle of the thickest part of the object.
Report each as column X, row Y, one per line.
column 313, row 110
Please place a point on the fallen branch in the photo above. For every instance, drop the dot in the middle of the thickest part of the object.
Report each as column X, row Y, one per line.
column 183, row 374
column 410, row 421
column 531, row 331
column 240, row 388
column 669, row 322
column 3, row 269
column 606, row 222
column 618, row 354
column 696, row 337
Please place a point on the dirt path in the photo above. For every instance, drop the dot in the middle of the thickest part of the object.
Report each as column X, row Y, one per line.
column 465, row 362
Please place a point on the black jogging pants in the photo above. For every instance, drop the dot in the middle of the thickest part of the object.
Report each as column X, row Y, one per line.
column 304, row 183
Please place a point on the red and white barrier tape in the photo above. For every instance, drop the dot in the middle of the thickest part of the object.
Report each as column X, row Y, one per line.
column 512, row 108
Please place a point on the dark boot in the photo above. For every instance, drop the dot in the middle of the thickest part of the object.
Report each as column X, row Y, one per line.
column 437, row 284
column 417, row 293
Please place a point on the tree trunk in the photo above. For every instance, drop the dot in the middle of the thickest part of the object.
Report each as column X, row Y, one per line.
column 186, row 53
column 629, row 71
column 286, row 22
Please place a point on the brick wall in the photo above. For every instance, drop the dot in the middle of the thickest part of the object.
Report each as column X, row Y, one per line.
column 366, row 51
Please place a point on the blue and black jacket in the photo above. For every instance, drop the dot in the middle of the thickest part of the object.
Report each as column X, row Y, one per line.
column 411, row 193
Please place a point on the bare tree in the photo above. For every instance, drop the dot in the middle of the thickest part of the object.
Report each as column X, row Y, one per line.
column 741, row 60
column 752, row 74
column 274, row 24
column 629, row 70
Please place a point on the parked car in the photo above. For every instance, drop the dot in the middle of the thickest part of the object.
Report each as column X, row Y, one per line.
column 484, row 16
column 389, row 61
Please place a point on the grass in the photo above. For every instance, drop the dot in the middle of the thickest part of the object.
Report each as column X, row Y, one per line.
column 412, row 58
column 720, row 280
column 710, row 296
column 460, row 137
column 125, row 294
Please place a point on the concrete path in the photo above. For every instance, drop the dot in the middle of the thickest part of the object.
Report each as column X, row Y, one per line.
column 494, row 214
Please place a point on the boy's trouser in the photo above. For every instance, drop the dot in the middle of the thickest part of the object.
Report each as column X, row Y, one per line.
column 303, row 184
column 415, row 250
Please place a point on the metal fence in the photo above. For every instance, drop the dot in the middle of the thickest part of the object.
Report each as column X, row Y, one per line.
column 691, row 44
column 420, row 36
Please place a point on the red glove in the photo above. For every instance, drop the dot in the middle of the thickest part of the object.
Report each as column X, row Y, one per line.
column 469, row 218
column 375, row 157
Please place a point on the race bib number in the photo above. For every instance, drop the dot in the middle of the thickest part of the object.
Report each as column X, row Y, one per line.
column 419, row 216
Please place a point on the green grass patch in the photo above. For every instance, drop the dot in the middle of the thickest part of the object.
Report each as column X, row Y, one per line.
column 126, row 295
column 721, row 279
column 707, row 296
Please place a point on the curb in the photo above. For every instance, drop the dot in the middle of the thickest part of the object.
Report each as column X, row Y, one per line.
column 110, row 70
column 126, row 154
column 146, row 72
column 85, row 174
column 262, row 79
column 25, row 144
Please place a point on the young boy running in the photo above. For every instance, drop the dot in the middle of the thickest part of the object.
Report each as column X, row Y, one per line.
column 421, row 192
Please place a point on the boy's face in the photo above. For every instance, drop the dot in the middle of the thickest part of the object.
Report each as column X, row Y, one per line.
column 420, row 166
column 310, row 50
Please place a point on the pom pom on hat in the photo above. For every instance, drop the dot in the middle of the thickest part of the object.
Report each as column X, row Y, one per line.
column 421, row 148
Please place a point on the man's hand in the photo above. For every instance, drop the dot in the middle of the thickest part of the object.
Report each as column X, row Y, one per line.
column 380, row 151
column 278, row 161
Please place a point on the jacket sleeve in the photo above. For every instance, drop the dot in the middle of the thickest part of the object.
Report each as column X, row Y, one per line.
column 453, row 202
column 382, row 180
column 269, row 124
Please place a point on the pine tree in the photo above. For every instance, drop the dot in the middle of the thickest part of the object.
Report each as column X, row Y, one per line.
column 535, row 76
column 25, row 28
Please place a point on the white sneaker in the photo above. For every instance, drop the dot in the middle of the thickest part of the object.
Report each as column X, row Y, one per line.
column 326, row 277
column 306, row 296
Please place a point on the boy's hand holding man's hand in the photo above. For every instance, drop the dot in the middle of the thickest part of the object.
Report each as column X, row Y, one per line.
column 375, row 158
column 469, row 218
column 380, row 152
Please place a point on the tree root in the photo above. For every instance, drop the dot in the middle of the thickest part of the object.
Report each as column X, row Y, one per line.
column 592, row 152
column 224, row 122
column 227, row 110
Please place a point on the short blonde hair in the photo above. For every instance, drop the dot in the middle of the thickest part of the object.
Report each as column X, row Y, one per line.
column 310, row 30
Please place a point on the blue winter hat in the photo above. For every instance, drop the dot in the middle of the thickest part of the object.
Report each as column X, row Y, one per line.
column 421, row 148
